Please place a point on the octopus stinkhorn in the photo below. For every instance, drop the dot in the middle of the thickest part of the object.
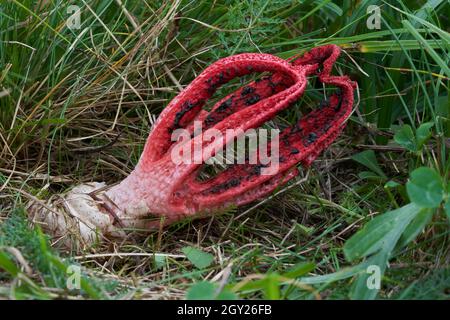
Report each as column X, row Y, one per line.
column 170, row 191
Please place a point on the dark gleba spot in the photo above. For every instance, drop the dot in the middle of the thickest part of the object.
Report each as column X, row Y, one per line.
column 247, row 90
column 186, row 107
column 225, row 105
column 252, row 100
column 225, row 186
column 220, row 77
column 256, row 169
column 214, row 117
column 310, row 139
column 294, row 151
column 210, row 120
column 234, row 182
column 211, row 85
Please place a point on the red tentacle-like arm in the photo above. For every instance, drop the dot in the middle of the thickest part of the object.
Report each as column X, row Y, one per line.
column 163, row 188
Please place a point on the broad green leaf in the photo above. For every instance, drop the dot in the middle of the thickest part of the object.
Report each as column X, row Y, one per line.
column 369, row 175
column 272, row 287
column 360, row 289
column 423, row 133
column 199, row 258
column 342, row 274
column 425, row 188
column 367, row 158
column 299, row 270
column 7, row 264
column 160, row 261
column 415, row 227
column 443, row 111
column 265, row 284
column 372, row 237
column 226, row 295
column 384, row 246
column 205, row 290
column 405, row 137
column 392, row 184
column 253, row 285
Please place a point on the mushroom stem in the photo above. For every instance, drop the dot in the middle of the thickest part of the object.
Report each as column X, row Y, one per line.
column 161, row 190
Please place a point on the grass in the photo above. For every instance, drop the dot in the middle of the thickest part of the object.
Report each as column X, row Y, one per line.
column 76, row 105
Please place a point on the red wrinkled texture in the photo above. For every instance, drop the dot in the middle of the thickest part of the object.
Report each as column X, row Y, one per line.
column 178, row 192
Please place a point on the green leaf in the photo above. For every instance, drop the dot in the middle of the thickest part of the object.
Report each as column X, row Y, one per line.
column 299, row 270
column 226, row 295
column 414, row 143
column 253, row 285
column 272, row 287
column 372, row 237
column 423, row 133
column 415, row 227
column 398, row 220
column 269, row 285
column 392, row 184
column 342, row 274
column 360, row 290
column 8, row 264
column 205, row 290
column 367, row 158
column 160, row 262
column 369, row 175
column 425, row 188
column 199, row 258
column 405, row 137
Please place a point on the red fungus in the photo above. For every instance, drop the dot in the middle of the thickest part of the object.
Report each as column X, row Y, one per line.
column 159, row 187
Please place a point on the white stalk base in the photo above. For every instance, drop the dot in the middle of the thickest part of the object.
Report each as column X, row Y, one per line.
column 77, row 217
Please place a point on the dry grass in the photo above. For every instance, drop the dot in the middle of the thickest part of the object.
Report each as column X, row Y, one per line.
column 77, row 107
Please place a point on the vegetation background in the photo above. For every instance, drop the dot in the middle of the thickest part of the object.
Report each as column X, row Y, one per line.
column 76, row 105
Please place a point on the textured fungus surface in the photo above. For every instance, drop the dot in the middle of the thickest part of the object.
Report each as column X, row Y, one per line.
column 160, row 188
